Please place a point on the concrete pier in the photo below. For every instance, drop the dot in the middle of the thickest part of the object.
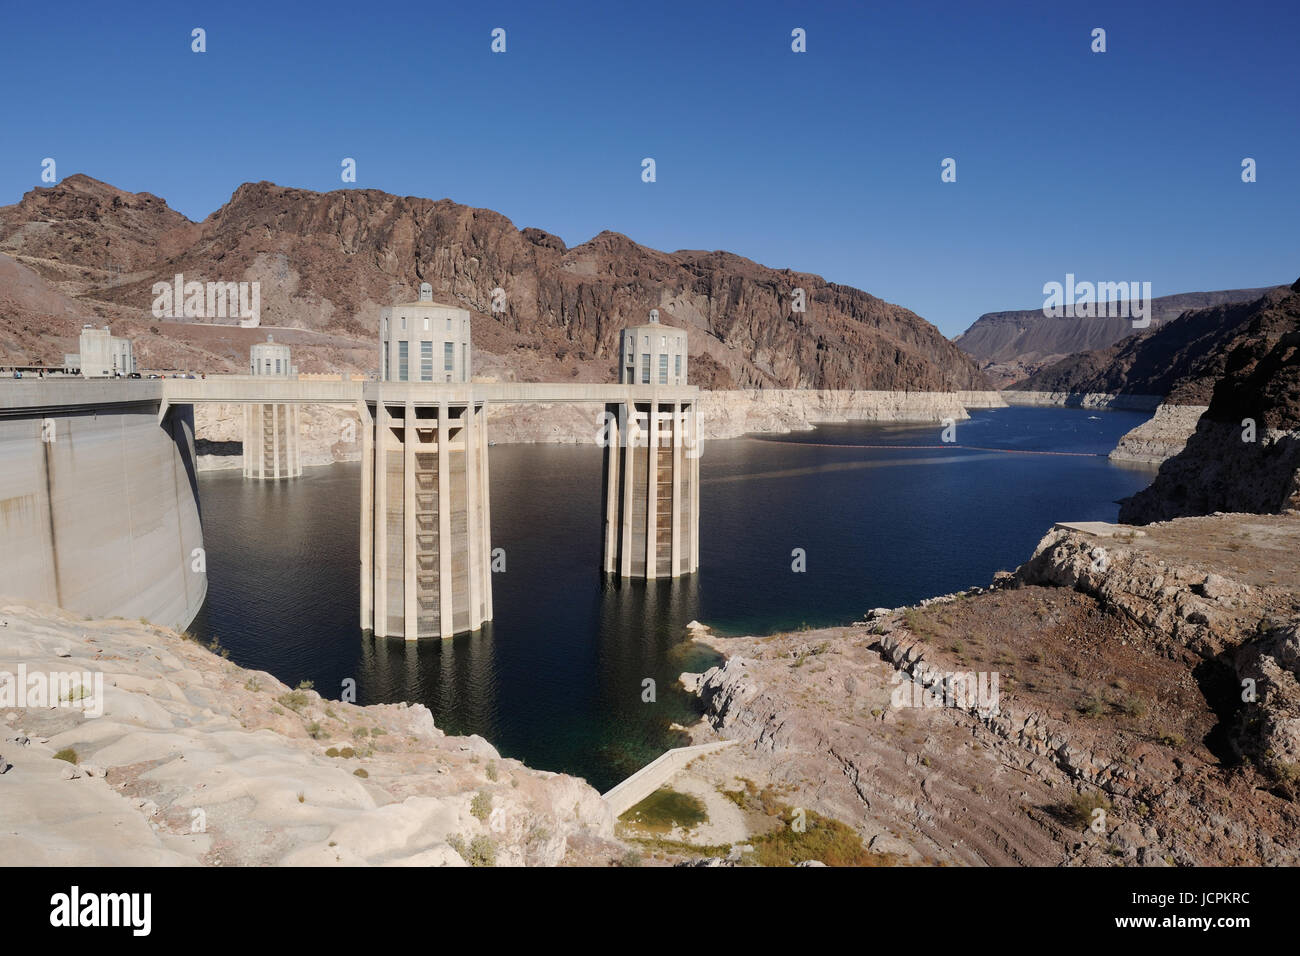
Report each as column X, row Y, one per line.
column 271, row 441
column 426, row 526
column 652, row 489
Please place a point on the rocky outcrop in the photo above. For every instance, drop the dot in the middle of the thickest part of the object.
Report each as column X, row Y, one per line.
column 180, row 757
column 1268, row 729
column 1121, row 654
column 1164, row 435
column 1177, row 606
column 1219, row 472
column 1245, row 453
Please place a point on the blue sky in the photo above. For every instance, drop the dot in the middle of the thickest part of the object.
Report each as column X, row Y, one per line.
column 1124, row 165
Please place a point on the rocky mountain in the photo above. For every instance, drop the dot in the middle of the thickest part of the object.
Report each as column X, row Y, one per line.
column 1009, row 346
column 327, row 263
column 1245, row 453
column 1180, row 361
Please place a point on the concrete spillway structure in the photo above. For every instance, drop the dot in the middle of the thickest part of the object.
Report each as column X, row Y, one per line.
column 652, row 462
column 271, row 431
column 99, row 509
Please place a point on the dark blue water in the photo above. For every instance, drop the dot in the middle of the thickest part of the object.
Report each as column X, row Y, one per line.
column 885, row 515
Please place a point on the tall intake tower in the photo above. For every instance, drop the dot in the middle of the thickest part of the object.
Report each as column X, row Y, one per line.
column 271, row 430
column 425, row 521
column 652, row 465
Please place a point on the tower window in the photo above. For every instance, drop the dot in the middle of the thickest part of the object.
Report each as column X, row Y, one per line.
column 448, row 356
column 403, row 359
column 426, row 361
column 663, row 369
column 645, row 368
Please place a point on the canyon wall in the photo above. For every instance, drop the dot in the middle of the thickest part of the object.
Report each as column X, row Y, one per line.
column 1162, row 436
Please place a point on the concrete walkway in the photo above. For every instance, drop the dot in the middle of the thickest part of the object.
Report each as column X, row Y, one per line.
column 655, row 774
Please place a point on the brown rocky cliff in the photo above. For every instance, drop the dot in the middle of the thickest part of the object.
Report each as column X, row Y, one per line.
column 1245, row 454
column 330, row 261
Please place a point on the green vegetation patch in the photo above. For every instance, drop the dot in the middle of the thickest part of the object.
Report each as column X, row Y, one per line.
column 665, row 809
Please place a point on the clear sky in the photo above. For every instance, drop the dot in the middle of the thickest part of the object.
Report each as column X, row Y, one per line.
column 1123, row 165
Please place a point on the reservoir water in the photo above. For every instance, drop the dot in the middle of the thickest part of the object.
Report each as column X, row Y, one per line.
column 884, row 515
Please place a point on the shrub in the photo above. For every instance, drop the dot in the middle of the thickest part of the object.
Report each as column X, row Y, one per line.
column 68, row 754
column 481, row 805
column 491, row 770
column 1132, row 707
column 1090, row 705
column 360, row 772
column 295, row 700
column 482, row 851
column 1080, row 808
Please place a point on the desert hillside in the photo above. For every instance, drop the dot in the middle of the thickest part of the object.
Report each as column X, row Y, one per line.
column 327, row 263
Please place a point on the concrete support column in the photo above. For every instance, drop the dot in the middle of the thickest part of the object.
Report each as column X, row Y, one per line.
column 380, row 585
column 276, row 428
column 444, row 522
column 652, row 496
column 473, row 526
column 612, row 429
column 410, row 584
column 367, row 515
column 261, row 443
column 627, row 418
column 696, row 449
column 247, row 434
column 295, row 459
column 485, row 488
column 677, row 490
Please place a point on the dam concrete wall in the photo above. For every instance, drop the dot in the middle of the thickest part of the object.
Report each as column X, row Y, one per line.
column 99, row 509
